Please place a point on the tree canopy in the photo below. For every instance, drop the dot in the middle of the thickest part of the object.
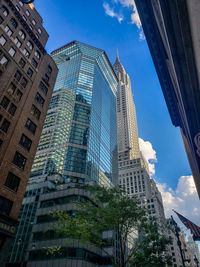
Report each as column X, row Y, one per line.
column 138, row 237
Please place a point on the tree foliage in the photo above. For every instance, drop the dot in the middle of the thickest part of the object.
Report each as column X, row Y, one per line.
column 110, row 209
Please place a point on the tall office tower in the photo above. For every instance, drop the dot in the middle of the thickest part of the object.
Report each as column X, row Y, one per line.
column 78, row 144
column 27, row 77
column 134, row 174
column 194, row 249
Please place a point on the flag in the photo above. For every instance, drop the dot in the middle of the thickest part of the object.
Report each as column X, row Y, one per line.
column 194, row 229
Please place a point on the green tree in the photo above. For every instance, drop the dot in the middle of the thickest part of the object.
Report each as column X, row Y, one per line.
column 111, row 209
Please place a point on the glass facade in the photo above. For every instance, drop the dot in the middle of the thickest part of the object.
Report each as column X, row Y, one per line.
column 79, row 138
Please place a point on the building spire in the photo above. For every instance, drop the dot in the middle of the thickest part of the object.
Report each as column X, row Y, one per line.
column 117, row 55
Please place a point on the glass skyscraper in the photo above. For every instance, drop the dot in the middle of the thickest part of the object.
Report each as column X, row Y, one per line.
column 78, row 144
column 79, row 138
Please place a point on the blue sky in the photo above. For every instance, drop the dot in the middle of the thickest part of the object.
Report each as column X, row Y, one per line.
column 108, row 26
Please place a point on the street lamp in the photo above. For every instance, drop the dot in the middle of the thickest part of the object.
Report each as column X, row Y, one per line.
column 27, row 1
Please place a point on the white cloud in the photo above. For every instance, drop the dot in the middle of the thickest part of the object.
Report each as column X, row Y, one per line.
column 149, row 154
column 110, row 12
column 184, row 199
column 135, row 19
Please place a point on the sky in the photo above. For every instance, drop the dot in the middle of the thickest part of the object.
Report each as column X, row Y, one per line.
column 113, row 24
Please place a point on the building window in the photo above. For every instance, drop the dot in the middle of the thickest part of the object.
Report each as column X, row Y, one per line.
column 33, row 21
column 5, row 102
column 2, row 40
column 24, row 18
column 22, row 63
column 22, row 34
column 11, row 89
column 31, row 126
column 35, row 112
column 4, row 10
column 12, row 109
column 39, row 30
column 30, row 72
column 13, row 22
column 31, row 27
column 27, row 13
column 12, row 181
column 30, row 45
column 18, row 9
column 18, row 75
column 25, row 142
column 46, row 78
column 5, row 125
column 37, row 54
column 1, row 20
column 5, row 206
column 18, row 95
column 39, row 99
column 8, row 30
column 1, row 142
column 12, row 51
column 17, row 42
column 21, row 4
column 43, row 88
column 34, row 63
column 49, row 69
column 24, row 82
column 4, row 61
column 19, row 160
column 26, row 53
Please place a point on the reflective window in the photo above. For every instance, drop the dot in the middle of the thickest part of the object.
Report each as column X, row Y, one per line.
column 8, row 30
column 2, row 40
column 22, row 34
column 19, row 160
column 12, row 181
column 4, row 10
column 14, row 22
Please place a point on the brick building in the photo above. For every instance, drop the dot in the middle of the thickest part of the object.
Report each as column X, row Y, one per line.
column 27, row 77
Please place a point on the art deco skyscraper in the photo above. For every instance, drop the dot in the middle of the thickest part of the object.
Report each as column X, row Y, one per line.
column 134, row 174
column 128, row 146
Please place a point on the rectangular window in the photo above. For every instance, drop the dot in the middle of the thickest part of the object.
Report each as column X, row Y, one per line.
column 24, row 82
column 12, row 51
column 19, row 160
column 26, row 53
column 17, row 42
column 30, row 72
column 35, row 112
column 12, row 181
column 8, row 30
column 25, row 142
column 22, row 63
column 5, row 102
column 11, row 89
column 2, row 40
column 18, row 95
column 5, row 206
column 18, row 75
column 46, row 78
column 4, row 61
column 34, row 63
column 43, row 88
column 5, row 125
column 1, row 20
column 12, row 109
column 39, row 99
column 30, row 126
